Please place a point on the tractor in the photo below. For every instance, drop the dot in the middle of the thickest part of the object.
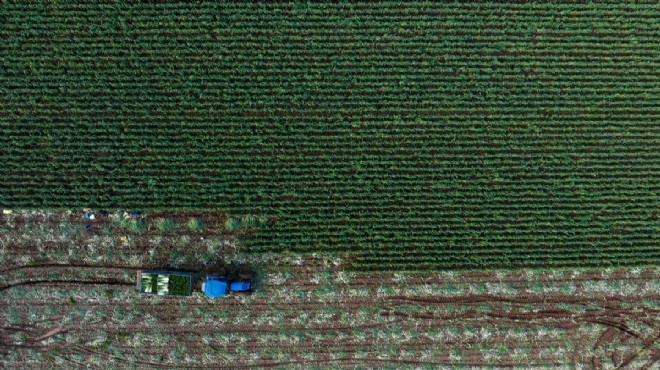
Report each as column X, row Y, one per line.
column 219, row 285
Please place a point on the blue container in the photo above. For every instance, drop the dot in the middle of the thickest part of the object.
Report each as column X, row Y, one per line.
column 215, row 286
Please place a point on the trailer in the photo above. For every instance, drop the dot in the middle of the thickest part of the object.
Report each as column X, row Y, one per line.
column 165, row 283
column 219, row 286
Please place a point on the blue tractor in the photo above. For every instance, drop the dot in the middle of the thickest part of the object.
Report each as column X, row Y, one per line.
column 220, row 285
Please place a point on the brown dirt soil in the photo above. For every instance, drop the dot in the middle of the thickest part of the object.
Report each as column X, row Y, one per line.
column 361, row 343
column 309, row 312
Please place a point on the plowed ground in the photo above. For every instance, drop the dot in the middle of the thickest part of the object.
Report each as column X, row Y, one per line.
column 309, row 312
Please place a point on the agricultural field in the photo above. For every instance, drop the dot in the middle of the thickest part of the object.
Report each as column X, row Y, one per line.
column 418, row 184
column 85, row 312
column 417, row 135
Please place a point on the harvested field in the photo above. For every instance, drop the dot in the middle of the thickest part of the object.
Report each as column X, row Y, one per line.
column 77, row 313
column 306, row 306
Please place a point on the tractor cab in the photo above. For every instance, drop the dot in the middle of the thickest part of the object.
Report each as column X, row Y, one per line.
column 215, row 286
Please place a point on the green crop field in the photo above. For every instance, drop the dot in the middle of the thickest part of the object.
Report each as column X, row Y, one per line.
column 415, row 135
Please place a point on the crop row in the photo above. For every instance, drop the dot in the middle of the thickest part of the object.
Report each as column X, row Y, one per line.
column 415, row 135
column 419, row 266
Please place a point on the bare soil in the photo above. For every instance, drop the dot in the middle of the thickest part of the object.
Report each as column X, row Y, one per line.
column 310, row 312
